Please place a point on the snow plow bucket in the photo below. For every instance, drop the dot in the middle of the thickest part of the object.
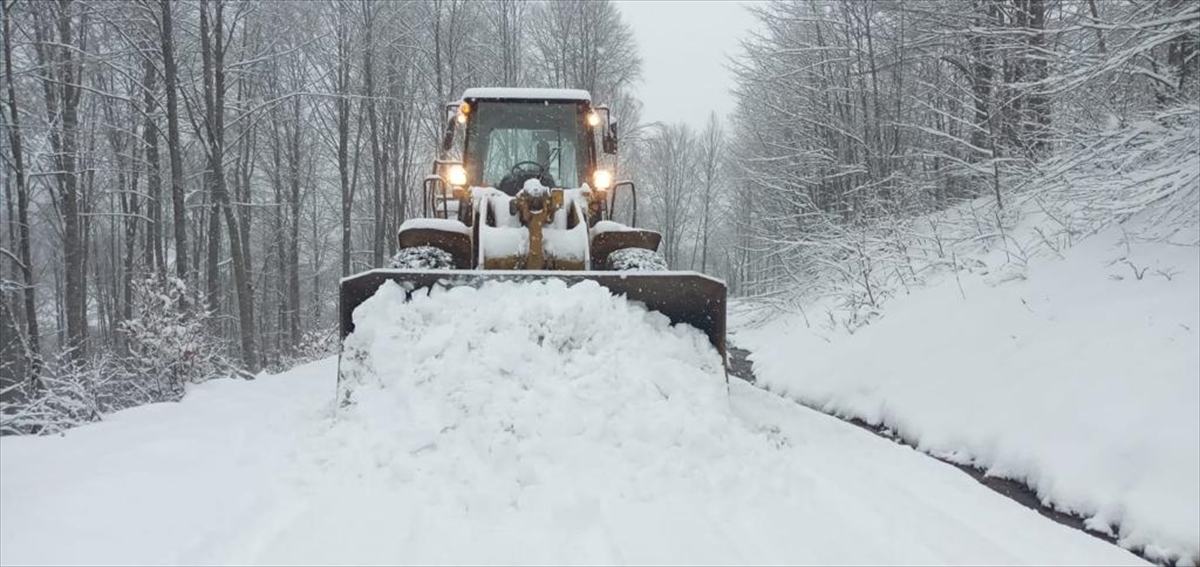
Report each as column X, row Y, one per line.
column 684, row 297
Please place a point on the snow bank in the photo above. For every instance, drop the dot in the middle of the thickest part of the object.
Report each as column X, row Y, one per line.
column 1079, row 376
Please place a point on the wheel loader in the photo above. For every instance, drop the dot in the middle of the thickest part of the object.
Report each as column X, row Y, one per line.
column 519, row 192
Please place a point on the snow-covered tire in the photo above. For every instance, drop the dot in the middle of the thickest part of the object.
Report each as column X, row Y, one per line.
column 636, row 260
column 422, row 258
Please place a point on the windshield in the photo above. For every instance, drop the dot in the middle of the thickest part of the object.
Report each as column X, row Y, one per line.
column 503, row 134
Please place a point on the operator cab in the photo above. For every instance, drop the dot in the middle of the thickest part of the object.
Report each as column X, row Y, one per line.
column 510, row 136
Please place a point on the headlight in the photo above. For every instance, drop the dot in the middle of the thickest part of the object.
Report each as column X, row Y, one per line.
column 593, row 119
column 602, row 179
column 462, row 118
column 456, row 175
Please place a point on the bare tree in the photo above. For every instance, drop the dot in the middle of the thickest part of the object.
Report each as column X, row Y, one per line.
column 29, row 292
column 214, row 46
column 710, row 153
column 174, row 149
column 669, row 177
column 60, row 33
column 509, row 20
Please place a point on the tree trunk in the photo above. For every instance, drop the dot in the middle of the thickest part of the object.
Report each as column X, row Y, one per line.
column 343, row 125
column 1037, row 123
column 153, row 253
column 293, row 236
column 23, row 247
column 178, row 214
column 61, row 88
column 212, row 264
column 213, row 50
column 378, row 187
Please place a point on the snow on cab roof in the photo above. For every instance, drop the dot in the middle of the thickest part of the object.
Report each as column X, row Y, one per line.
column 536, row 94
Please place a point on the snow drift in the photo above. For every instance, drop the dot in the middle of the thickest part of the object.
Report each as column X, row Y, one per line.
column 1077, row 373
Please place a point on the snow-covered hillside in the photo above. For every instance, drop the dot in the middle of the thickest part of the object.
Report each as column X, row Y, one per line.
column 510, row 424
column 1078, row 374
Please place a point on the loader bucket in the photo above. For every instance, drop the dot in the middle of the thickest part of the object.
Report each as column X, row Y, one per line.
column 684, row 297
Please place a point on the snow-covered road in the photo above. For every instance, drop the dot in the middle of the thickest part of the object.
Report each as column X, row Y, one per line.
column 581, row 431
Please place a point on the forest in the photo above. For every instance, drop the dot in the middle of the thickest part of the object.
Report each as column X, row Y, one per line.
column 185, row 182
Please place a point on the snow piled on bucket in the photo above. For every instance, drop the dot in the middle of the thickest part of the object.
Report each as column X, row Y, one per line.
column 516, row 417
column 565, row 381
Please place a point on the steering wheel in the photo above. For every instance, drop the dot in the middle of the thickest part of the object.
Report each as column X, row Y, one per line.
column 519, row 169
column 523, row 171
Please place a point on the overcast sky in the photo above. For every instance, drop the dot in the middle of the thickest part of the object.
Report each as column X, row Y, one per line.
column 684, row 48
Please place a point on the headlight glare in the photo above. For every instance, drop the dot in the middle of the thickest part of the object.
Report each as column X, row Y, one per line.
column 602, row 179
column 456, row 175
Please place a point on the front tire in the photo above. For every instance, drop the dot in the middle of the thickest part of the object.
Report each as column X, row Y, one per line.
column 636, row 260
column 422, row 258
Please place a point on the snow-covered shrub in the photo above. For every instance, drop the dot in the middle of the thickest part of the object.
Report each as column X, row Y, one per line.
column 64, row 395
column 314, row 344
column 854, row 268
column 1149, row 169
column 170, row 342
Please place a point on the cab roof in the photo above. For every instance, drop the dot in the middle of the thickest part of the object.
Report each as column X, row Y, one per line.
column 505, row 93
